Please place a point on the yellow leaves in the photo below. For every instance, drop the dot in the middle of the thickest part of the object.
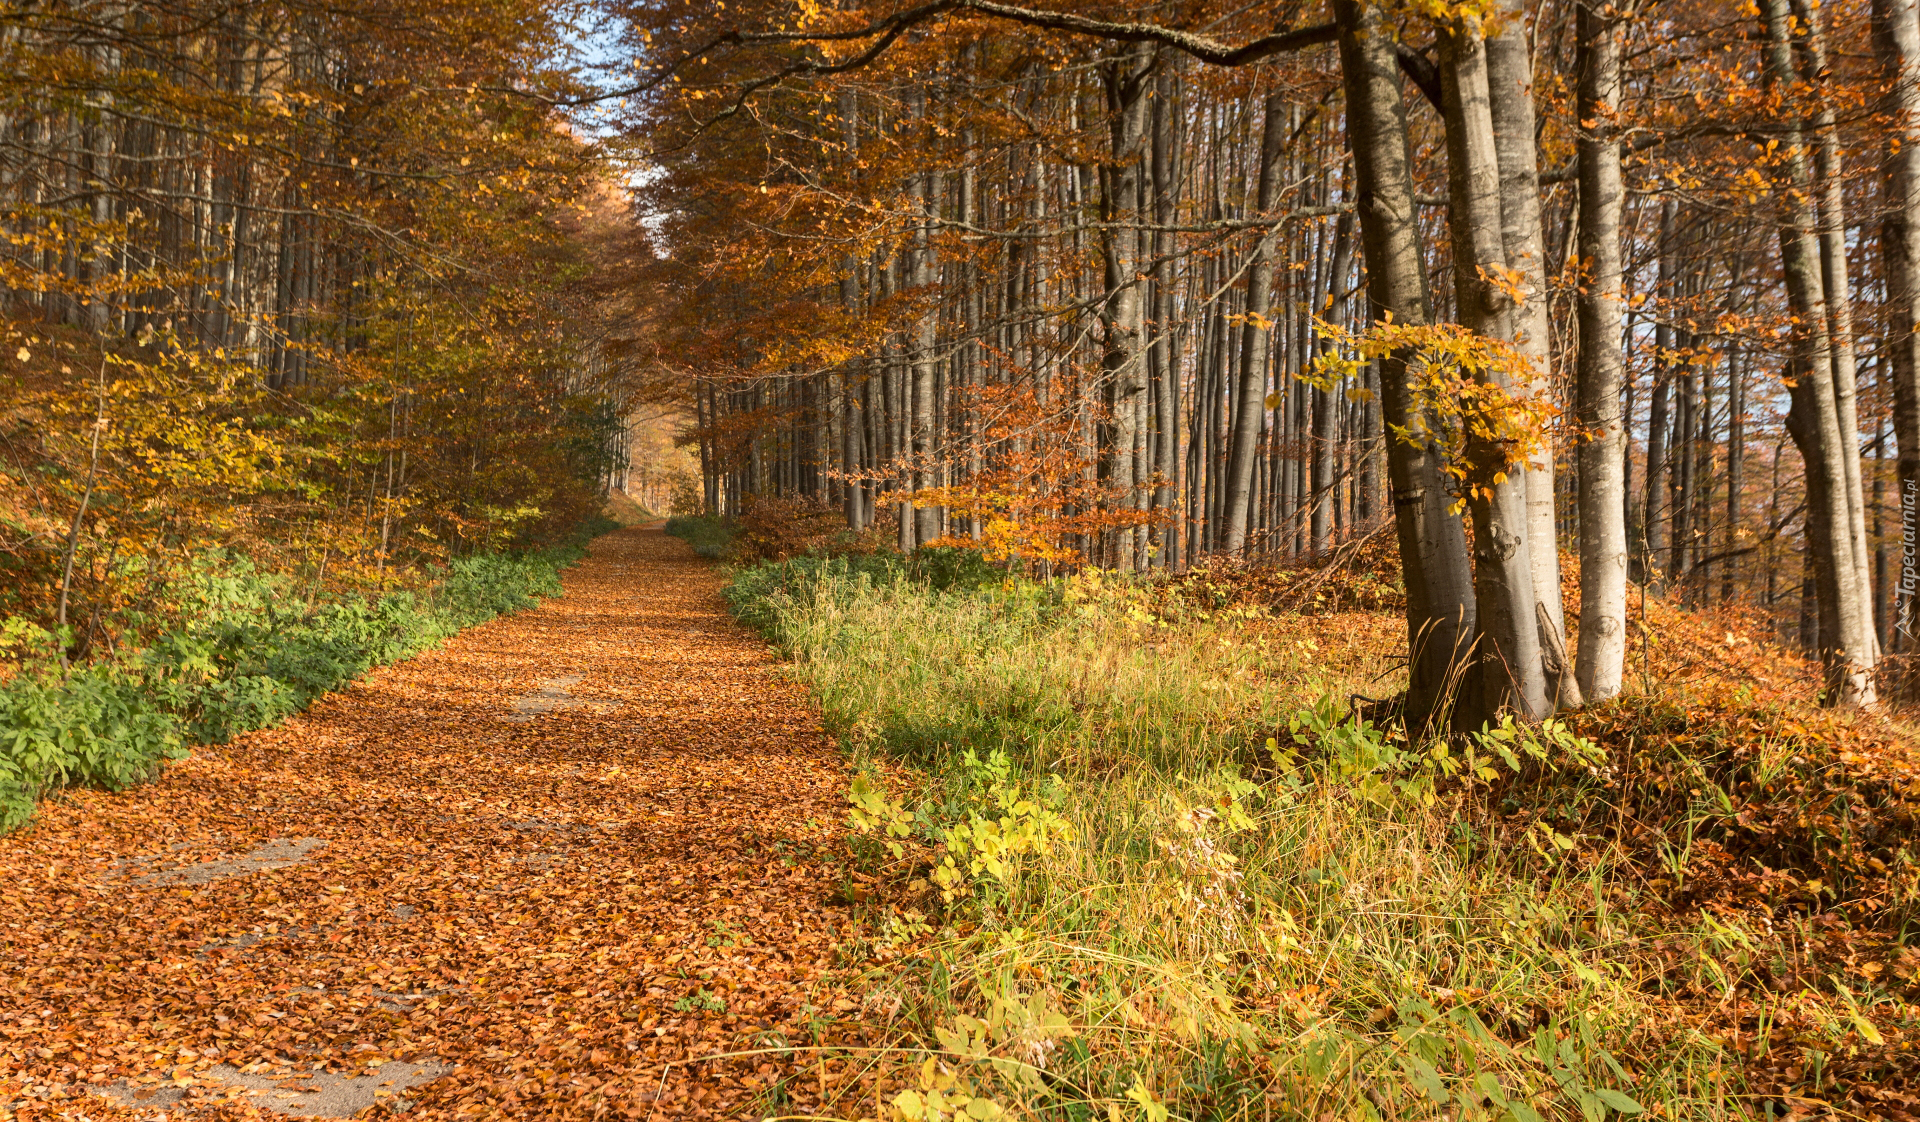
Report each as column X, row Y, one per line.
column 1459, row 384
column 1151, row 1108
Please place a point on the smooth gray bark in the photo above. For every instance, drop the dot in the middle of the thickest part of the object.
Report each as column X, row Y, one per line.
column 1829, row 170
column 1896, row 44
column 1509, row 673
column 1126, row 80
column 1813, row 419
column 1256, row 339
column 1601, row 370
column 1433, row 550
column 1510, row 93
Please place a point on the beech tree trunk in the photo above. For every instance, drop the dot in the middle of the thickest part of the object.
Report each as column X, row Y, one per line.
column 923, row 432
column 1256, row 339
column 1326, row 497
column 1167, row 142
column 1896, row 44
column 1126, row 79
column 1834, row 274
column 1510, row 95
column 1601, row 370
column 1433, row 549
column 1814, row 417
column 1655, row 511
column 1509, row 672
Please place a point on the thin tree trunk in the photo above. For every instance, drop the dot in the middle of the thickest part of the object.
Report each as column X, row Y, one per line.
column 1256, row 338
column 1601, row 664
column 1126, row 79
column 1736, row 461
column 1654, row 511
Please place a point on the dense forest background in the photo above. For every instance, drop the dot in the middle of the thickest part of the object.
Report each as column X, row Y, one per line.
column 1292, row 515
column 1108, row 286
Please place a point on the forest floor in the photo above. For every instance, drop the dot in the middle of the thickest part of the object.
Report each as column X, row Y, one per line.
column 550, row 869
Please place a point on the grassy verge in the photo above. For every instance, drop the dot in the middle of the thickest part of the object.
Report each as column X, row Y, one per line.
column 247, row 653
column 1123, row 857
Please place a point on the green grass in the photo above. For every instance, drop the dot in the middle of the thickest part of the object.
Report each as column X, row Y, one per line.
column 1101, row 892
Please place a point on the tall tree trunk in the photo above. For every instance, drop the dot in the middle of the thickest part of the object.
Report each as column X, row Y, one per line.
column 1326, row 496
column 1256, row 337
column 1601, row 370
column 1433, row 549
column 1814, row 417
column 1655, row 511
column 1510, row 94
column 1509, row 672
column 1126, row 79
column 1167, row 141
column 1896, row 43
column 924, row 431
column 1829, row 169
column 1736, row 462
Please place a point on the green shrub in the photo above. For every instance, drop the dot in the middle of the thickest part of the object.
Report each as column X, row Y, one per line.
column 97, row 727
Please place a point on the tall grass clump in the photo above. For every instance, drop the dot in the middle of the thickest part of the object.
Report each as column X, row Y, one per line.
column 242, row 650
column 1121, row 858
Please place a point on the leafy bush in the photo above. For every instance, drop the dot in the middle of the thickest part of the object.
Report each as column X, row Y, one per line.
column 249, row 654
column 97, row 726
column 775, row 529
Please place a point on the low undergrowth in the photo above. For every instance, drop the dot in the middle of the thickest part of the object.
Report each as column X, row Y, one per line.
column 708, row 534
column 1122, row 854
column 242, row 650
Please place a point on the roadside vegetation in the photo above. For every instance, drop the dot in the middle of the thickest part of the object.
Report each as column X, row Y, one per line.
column 230, row 649
column 1150, row 848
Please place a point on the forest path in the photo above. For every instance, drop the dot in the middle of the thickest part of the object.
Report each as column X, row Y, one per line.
column 538, row 873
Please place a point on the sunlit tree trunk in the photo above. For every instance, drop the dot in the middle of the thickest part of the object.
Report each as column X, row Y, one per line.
column 1830, row 172
column 1126, row 79
column 1510, row 95
column 1509, row 672
column 1168, row 139
column 1256, row 339
column 1896, row 44
column 1433, row 550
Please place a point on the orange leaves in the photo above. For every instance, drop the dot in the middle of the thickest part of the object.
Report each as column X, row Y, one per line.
column 1035, row 491
column 1474, row 394
column 571, row 914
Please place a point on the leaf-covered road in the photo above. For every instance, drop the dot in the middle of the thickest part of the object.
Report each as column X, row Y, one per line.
column 549, row 868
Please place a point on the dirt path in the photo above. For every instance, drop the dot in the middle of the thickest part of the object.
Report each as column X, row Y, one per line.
column 530, row 875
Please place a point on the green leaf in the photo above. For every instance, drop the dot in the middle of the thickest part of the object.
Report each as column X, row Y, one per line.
column 1618, row 1101
column 1426, row 1078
